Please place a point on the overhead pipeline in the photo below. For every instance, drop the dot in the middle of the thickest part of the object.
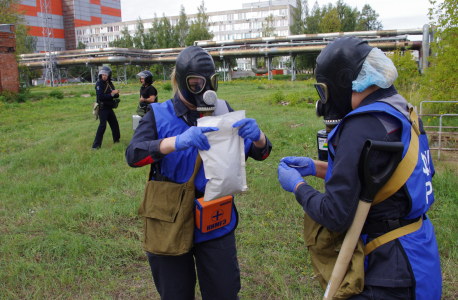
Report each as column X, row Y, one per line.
column 103, row 51
column 307, row 37
column 217, row 54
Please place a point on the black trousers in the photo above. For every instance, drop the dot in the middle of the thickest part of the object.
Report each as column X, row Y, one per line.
column 106, row 114
column 384, row 293
column 217, row 270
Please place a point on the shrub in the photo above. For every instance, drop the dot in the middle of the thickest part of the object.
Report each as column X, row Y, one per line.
column 298, row 99
column 9, row 96
column 407, row 68
column 22, row 97
column 277, row 97
column 167, row 86
column 12, row 97
column 440, row 80
column 56, row 94
column 39, row 96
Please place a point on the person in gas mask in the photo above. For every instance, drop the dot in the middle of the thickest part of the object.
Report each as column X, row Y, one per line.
column 148, row 93
column 106, row 93
column 355, row 86
column 168, row 138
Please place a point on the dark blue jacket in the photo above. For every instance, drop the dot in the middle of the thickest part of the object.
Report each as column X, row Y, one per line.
column 103, row 91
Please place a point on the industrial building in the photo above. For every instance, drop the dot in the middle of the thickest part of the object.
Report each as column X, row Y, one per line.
column 242, row 23
column 59, row 18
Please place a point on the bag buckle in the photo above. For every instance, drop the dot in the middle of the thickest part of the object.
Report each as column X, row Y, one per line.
column 393, row 224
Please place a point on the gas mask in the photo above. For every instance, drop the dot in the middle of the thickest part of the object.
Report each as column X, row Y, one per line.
column 336, row 67
column 196, row 78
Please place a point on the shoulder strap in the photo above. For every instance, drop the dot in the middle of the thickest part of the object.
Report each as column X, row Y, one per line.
column 397, row 180
column 194, row 174
column 392, row 235
column 155, row 169
column 405, row 167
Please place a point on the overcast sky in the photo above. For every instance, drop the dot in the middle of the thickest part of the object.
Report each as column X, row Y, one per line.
column 394, row 14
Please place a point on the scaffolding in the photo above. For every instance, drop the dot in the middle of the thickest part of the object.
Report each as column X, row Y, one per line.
column 50, row 70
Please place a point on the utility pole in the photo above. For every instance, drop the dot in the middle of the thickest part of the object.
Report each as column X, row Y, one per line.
column 47, row 25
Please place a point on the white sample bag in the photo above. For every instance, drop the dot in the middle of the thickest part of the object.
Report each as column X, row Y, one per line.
column 224, row 162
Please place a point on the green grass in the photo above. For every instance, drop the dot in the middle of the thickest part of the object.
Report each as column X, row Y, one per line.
column 68, row 222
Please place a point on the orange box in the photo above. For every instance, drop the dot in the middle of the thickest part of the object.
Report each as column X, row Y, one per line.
column 213, row 214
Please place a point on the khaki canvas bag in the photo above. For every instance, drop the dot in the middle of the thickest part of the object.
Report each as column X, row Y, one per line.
column 168, row 216
column 324, row 245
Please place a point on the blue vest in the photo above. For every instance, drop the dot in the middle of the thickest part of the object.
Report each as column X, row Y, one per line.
column 179, row 165
column 420, row 246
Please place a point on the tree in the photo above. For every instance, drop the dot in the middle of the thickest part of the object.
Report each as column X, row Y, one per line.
column 407, row 68
column 348, row 16
column 199, row 29
column 440, row 81
column 82, row 72
column 303, row 22
column 125, row 41
column 10, row 13
column 151, row 37
column 81, row 45
column 368, row 19
column 30, row 44
column 182, row 28
column 330, row 21
column 313, row 20
column 268, row 27
column 164, row 37
column 139, row 35
column 299, row 17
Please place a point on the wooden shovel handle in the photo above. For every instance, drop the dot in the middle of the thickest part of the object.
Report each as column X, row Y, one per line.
column 347, row 250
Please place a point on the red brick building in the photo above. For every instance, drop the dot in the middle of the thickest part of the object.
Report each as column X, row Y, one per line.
column 9, row 76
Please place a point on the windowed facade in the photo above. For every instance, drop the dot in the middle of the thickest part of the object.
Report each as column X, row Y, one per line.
column 243, row 23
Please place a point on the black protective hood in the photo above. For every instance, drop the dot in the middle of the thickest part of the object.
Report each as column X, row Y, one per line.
column 194, row 61
column 337, row 66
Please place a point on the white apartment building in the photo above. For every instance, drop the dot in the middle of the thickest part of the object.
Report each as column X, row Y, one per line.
column 242, row 23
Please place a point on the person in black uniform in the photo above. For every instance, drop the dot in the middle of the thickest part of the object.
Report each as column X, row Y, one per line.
column 148, row 94
column 168, row 137
column 106, row 92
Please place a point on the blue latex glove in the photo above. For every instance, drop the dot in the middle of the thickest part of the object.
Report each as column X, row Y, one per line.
column 194, row 137
column 304, row 165
column 288, row 177
column 249, row 130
